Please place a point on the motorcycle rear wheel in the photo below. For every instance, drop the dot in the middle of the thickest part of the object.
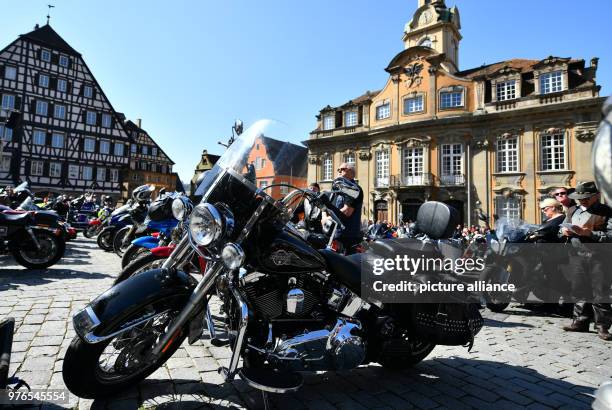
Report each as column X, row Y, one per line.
column 132, row 253
column 397, row 360
column 90, row 232
column 118, row 247
column 52, row 250
column 99, row 370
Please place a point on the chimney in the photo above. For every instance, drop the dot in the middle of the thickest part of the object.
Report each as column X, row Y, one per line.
column 139, row 122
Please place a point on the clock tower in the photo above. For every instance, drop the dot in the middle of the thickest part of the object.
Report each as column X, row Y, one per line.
column 435, row 26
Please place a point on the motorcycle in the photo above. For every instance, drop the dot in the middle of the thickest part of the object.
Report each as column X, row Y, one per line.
column 81, row 210
column 288, row 307
column 514, row 256
column 118, row 219
column 34, row 238
column 139, row 226
column 95, row 225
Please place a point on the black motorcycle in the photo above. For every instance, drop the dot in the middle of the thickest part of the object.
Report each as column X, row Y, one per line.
column 35, row 239
column 288, row 307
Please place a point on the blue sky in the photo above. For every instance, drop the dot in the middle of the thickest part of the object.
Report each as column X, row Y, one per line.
column 189, row 68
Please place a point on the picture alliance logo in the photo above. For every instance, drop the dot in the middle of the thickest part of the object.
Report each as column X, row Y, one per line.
column 413, row 266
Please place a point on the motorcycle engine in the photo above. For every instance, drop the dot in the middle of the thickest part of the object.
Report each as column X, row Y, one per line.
column 275, row 297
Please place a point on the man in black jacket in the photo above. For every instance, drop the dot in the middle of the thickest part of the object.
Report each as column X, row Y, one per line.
column 591, row 223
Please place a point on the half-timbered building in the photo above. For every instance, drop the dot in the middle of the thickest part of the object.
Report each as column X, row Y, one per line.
column 66, row 136
column 149, row 164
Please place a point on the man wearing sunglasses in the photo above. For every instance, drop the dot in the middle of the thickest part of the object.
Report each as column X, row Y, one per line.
column 591, row 224
column 350, row 211
column 562, row 195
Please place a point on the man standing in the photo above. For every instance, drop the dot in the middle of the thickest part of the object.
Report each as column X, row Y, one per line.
column 562, row 195
column 350, row 211
column 591, row 223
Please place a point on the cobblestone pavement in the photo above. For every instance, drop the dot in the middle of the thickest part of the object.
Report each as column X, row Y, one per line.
column 521, row 359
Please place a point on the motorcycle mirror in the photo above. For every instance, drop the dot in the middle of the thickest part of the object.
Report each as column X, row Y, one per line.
column 345, row 187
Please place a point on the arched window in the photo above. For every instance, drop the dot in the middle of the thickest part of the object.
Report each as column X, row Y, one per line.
column 426, row 42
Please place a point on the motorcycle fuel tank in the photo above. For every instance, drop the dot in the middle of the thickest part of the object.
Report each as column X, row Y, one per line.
column 290, row 254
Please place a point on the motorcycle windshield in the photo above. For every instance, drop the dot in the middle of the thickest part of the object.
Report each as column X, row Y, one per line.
column 242, row 157
column 513, row 228
column 28, row 205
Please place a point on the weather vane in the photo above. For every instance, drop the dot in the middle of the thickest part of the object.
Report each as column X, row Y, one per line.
column 48, row 15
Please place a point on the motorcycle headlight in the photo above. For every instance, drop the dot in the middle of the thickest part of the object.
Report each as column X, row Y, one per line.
column 178, row 209
column 205, row 224
column 232, row 256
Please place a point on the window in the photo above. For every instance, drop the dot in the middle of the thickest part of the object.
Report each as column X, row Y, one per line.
column 62, row 85
column 451, row 99
column 43, row 80
column 104, row 147
column 106, row 120
column 382, row 168
column 101, row 174
column 55, row 169
column 551, row 82
column 349, row 158
column 73, row 171
column 64, row 61
column 10, row 73
column 134, row 148
column 8, row 101
column 263, row 184
column 452, row 163
column 284, row 190
column 90, row 118
column 57, row 140
column 36, row 168
column 154, row 151
column 5, row 163
column 426, row 42
column 329, row 122
column 42, row 107
column 6, row 134
column 412, row 166
column 87, row 173
column 506, row 90
column 114, row 175
column 413, row 104
column 164, row 170
column 45, row 55
column 328, row 169
column 89, row 145
column 509, row 208
column 553, row 151
column 60, row 112
column 383, row 111
column 145, row 150
column 350, row 118
column 88, row 91
column 507, row 155
column 39, row 137
column 118, row 149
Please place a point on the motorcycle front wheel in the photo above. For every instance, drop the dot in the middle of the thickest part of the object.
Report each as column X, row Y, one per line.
column 51, row 250
column 90, row 232
column 141, row 264
column 99, row 370
column 105, row 239
column 496, row 302
column 132, row 253
column 118, row 246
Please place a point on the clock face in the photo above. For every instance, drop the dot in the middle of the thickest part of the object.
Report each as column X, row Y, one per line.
column 425, row 17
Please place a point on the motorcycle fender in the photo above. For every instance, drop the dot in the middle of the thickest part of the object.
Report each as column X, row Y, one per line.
column 157, row 288
column 162, row 251
column 148, row 242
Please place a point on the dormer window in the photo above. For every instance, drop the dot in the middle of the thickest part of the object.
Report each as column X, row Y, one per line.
column 383, row 111
column 451, row 99
column 551, row 82
column 506, row 90
column 350, row 118
column 45, row 55
column 329, row 122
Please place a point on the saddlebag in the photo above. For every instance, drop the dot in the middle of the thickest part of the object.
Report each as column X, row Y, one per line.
column 450, row 324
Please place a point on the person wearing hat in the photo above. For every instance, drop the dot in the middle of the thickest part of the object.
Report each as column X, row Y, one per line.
column 591, row 223
column 553, row 211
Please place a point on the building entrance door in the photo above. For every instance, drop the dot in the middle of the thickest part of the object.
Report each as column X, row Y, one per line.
column 381, row 210
column 410, row 209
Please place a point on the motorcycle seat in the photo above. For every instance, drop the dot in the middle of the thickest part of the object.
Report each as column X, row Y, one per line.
column 346, row 269
column 15, row 218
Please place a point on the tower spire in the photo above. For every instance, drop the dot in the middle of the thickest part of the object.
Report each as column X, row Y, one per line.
column 50, row 6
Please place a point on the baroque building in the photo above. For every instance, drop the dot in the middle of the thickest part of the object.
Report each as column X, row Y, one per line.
column 492, row 139
column 207, row 161
column 63, row 134
column 149, row 164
